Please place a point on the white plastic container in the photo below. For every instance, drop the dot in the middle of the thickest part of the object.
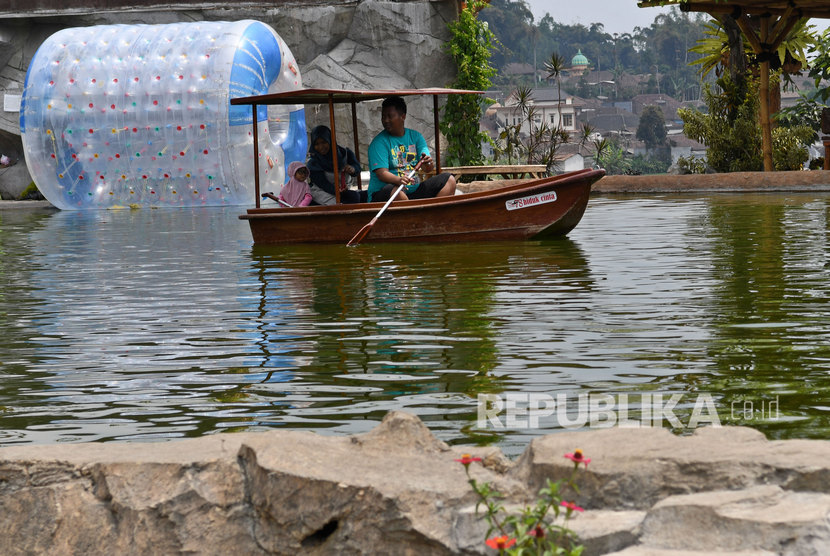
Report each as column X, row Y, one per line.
column 120, row 115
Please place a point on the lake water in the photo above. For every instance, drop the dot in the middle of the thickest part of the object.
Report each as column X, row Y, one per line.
column 160, row 324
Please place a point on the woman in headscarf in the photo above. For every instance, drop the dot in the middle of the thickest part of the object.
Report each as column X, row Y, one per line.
column 321, row 167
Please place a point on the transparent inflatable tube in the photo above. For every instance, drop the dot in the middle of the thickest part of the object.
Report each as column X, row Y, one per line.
column 120, row 115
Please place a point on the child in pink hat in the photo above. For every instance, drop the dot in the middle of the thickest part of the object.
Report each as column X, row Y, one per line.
column 296, row 192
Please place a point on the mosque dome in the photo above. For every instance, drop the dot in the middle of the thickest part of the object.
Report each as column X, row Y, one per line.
column 579, row 60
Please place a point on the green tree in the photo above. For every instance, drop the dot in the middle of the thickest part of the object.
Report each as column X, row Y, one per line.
column 660, row 49
column 724, row 50
column 730, row 129
column 789, row 150
column 731, row 132
column 611, row 156
column 652, row 127
column 470, row 47
column 807, row 110
column 512, row 23
column 650, row 164
column 820, row 68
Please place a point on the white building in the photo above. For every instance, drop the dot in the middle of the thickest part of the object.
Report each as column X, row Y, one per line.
column 547, row 109
column 569, row 162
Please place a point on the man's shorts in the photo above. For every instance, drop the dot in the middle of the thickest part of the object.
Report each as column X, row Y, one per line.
column 429, row 188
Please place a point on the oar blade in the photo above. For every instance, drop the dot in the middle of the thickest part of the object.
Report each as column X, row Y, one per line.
column 362, row 233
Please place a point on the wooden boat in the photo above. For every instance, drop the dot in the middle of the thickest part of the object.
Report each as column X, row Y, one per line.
column 536, row 209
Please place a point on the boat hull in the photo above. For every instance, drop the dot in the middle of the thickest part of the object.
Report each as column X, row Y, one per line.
column 537, row 209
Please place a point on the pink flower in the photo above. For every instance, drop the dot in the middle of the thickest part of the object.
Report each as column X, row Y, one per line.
column 501, row 542
column 571, row 506
column 537, row 532
column 578, row 458
column 467, row 459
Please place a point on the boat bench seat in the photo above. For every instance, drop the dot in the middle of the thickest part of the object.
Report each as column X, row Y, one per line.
column 503, row 171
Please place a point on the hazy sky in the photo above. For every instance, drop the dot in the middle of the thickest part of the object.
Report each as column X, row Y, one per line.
column 618, row 16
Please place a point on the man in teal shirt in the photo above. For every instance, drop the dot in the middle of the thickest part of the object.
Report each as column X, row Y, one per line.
column 394, row 152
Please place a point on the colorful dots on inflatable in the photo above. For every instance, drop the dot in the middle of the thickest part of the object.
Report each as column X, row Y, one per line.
column 120, row 115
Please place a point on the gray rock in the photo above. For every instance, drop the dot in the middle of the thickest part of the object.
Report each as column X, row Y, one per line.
column 124, row 499
column 604, row 531
column 648, row 551
column 635, row 468
column 398, row 490
column 310, row 31
column 395, row 489
column 14, row 179
column 758, row 518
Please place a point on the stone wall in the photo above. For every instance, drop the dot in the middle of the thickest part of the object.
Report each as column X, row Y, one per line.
column 398, row 490
column 795, row 180
column 364, row 44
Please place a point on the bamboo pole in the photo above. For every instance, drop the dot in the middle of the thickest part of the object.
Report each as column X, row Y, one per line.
column 766, row 127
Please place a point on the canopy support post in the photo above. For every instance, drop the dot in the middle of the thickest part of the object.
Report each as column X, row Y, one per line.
column 256, row 153
column 356, row 142
column 334, row 150
column 437, row 135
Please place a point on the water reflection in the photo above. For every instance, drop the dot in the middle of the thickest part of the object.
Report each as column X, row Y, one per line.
column 770, row 327
column 124, row 324
column 409, row 324
column 165, row 323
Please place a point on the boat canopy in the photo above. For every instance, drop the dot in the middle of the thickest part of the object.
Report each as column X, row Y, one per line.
column 342, row 96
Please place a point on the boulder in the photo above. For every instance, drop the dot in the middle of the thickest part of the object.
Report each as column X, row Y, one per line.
column 14, row 179
column 399, row 490
column 763, row 517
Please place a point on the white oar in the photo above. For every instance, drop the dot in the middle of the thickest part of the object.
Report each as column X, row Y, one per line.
column 364, row 231
column 277, row 199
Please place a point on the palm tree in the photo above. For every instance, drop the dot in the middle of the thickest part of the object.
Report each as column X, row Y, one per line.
column 510, row 138
column 509, row 143
column 719, row 51
column 601, row 146
column 724, row 49
column 555, row 65
column 554, row 138
column 585, row 135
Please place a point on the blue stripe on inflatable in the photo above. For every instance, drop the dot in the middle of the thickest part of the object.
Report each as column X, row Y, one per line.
column 256, row 65
column 295, row 145
column 37, row 97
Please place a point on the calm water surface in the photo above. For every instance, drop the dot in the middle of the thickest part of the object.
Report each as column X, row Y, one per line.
column 156, row 324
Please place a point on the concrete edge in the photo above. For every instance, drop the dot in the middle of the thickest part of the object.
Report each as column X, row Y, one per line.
column 736, row 182
column 17, row 205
